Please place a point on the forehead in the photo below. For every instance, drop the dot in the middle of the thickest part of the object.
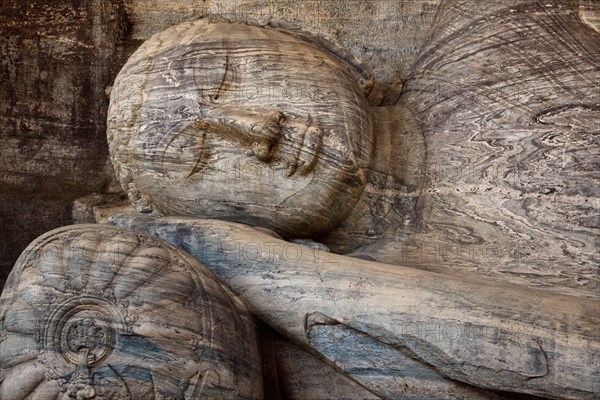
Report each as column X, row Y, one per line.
column 230, row 64
column 188, row 71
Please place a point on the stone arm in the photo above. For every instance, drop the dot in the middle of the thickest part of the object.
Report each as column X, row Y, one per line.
column 483, row 334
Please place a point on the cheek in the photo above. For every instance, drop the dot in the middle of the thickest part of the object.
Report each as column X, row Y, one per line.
column 243, row 178
column 199, row 165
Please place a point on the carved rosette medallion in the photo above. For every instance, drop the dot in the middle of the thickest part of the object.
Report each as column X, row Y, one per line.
column 98, row 312
column 81, row 332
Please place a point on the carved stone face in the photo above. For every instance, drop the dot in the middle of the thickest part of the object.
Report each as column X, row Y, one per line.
column 242, row 123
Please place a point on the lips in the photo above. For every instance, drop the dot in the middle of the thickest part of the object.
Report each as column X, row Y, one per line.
column 306, row 150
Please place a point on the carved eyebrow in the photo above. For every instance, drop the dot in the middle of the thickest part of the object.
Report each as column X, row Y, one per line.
column 228, row 78
column 201, row 163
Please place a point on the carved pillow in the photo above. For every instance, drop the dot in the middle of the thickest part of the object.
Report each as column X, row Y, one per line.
column 98, row 312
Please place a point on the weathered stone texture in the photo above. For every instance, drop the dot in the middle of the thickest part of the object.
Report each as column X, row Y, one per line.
column 494, row 171
column 485, row 165
column 499, row 337
column 56, row 59
column 506, row 97
column 201, row 101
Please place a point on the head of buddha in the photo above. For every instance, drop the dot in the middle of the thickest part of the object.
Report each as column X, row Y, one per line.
column 241, row 123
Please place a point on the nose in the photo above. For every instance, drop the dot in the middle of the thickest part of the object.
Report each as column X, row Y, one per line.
column 259, row 129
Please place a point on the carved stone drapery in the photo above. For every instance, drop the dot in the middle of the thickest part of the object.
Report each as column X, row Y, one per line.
column 487, row 335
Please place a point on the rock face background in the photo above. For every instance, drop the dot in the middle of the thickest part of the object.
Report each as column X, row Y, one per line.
column 57, row 59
